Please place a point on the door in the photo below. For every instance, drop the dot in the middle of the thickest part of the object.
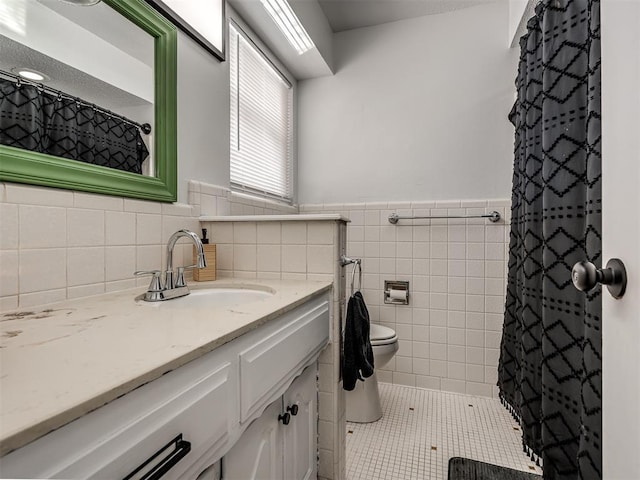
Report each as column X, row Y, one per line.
column 620, row 24
column 300, row 448
column 258, row 453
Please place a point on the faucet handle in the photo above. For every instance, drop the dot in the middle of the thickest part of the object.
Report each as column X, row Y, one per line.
column 155, row 285
column 180, row 281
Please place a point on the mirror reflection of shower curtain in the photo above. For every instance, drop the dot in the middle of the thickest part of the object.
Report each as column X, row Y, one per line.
column 550, row 374
column 37, row 121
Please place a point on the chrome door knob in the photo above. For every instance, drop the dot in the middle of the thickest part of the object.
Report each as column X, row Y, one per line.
column 586, row 276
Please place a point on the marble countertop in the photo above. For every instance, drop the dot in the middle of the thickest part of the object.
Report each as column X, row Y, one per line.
column 61, row 361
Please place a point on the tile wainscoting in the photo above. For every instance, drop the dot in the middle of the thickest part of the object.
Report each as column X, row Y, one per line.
column 449, row 334
column 58, row 244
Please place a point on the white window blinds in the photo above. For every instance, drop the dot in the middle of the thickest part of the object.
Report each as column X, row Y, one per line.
column 261, row 122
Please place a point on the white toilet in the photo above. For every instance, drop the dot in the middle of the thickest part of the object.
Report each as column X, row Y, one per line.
column 363, row 402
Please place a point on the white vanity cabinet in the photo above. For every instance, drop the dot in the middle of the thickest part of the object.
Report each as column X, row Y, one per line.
column 210, row 402
column 282, row 443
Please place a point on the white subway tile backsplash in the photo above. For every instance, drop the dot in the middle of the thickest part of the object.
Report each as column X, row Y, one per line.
column 294, row 233
column 120, row 228
column 85, row 228
column 85, row 265
column 8, row 303
column 96, row 201
column 9, row 269
column 42, row 298
column 9, row 232
column 86, row 290
column 42, row 227
column 268, row 259
column 320, row 259
column 142, row 206
column 149, row 257
column 28, row 195
column 148, row 229
column 42, row 270
column 120, row 262
column 245, row 257
column 245, row 233
column 294, row 257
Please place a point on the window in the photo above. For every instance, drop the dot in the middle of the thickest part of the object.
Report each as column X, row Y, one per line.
column 261, row 122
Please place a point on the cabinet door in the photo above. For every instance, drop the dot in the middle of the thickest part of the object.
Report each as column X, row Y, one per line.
column 300, row 439
column 258, row 453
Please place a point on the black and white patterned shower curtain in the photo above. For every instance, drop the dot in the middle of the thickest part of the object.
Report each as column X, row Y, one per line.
column 40, row 122
column 550, row 373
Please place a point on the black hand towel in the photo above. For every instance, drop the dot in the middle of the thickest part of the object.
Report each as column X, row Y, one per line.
column 358, row 355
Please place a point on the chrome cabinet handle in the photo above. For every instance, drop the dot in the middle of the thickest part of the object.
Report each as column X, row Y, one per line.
column 586, row 276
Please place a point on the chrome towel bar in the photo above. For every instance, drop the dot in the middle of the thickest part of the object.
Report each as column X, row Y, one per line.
column 493, row 217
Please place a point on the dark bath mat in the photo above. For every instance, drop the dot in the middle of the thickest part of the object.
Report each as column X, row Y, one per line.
column 467, row 469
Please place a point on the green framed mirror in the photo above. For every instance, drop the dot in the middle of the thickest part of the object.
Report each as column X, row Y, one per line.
column 160, row 183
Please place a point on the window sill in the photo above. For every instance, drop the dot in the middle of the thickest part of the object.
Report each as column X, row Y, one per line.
column 260, row 202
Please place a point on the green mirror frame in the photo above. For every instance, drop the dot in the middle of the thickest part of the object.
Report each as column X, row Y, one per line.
column 22, row 166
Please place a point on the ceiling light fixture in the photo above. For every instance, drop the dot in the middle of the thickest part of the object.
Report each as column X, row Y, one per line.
column 289, row 25
column 30, row 74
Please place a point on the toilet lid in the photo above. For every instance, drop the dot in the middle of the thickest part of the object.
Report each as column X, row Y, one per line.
column 378, row 332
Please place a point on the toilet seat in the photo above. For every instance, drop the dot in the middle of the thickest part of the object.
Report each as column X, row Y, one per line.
column 380, row 335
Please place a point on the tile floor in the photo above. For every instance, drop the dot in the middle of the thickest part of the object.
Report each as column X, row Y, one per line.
column 421, row 429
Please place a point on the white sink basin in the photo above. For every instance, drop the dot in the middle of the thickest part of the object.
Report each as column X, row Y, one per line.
column 218, row 297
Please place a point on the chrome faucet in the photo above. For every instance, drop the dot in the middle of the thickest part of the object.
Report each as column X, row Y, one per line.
column 174, row 283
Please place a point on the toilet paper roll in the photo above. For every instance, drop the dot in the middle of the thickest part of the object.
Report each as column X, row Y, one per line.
column 398, row 295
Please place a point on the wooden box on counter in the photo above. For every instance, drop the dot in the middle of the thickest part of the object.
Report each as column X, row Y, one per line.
column 209, row 273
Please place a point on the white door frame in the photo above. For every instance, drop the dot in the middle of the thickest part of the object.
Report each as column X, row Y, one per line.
column 620, row 27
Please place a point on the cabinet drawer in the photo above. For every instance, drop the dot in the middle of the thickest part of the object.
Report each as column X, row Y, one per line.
column 267, row 366
column 115, row 439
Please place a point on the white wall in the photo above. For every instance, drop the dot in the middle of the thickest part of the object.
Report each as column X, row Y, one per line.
column 203, row 117
column 417, row 110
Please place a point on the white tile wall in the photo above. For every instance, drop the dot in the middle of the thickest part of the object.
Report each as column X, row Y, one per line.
column 297, row 250
column 449, row 334
column 220, row 201
column 57, row 244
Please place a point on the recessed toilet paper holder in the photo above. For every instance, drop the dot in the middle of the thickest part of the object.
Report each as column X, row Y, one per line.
column 396, row 292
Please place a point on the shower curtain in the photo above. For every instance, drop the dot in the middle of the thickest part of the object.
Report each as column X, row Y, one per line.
column 549, row 373
column 34, row 120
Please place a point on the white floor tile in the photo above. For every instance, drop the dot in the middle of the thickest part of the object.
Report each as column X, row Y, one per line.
column 421, row 429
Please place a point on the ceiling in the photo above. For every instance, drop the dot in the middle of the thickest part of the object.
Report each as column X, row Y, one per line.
column 350, row 14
